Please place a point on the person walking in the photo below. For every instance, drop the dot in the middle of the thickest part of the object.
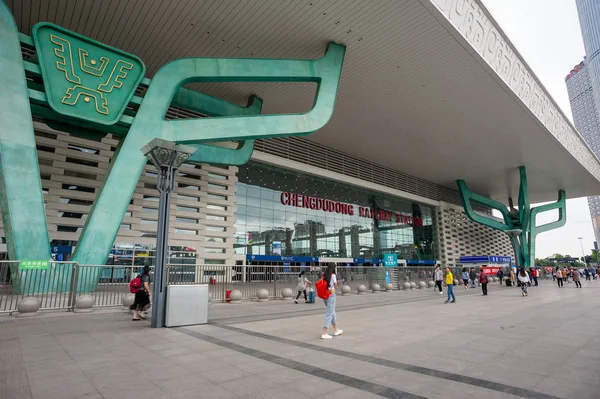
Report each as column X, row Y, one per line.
column 576, row 277
column 465, row 277
column 472, row 277
column 450, row 286
column 524, row 280
column 301, row 286
column 330, row 316
column 439, row 277
column 141, row 303
column 500, row 275
column 535, row 274
column 565, row 275
column 513, row 278
column 484, row 281
column 559, row 277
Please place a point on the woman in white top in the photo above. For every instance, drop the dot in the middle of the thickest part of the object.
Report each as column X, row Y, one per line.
column 524, row 280
column 330, row 318
column 303, row 282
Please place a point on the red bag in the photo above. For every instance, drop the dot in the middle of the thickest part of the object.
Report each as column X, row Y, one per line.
column 322, row 288
column 135, row 285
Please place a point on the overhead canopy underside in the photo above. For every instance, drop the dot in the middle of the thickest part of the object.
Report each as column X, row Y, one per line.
column 415, row 95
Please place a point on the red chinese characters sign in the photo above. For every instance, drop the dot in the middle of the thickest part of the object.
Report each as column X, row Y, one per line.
column 320, row 204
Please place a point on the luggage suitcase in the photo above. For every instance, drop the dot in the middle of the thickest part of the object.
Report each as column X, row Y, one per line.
column 311, row 296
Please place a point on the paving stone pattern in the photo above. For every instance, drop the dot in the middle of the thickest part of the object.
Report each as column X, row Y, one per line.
column 395, row 345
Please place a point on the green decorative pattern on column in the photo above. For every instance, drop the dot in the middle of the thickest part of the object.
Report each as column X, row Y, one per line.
column 518, row 223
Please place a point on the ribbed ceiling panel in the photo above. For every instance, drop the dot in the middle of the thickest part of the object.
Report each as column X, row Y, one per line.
column 412, row 97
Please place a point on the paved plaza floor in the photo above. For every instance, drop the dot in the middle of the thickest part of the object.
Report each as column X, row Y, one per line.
column 395, row 345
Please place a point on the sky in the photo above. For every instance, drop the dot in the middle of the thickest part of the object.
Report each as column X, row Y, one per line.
column 547, row 35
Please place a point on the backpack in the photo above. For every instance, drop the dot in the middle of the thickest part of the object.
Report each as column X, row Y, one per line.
column 322, row 288
column 135, row 285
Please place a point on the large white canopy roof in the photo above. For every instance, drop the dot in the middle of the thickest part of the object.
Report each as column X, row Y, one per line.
column 430, row 87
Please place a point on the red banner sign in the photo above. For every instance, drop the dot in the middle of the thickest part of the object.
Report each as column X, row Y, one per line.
column 320, row 204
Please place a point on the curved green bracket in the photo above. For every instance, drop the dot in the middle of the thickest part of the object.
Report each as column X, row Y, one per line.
column 225, row 156
column 523, row 219
column 561, row 205
column 103, row 223
column 468, row 197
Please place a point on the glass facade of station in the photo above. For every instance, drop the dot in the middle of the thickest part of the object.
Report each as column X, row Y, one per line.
column 289, row 213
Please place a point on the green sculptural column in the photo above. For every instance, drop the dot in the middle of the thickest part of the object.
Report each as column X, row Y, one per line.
column 84, row 89
column 519, row 224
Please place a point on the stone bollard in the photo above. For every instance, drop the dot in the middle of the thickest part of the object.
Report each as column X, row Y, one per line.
column 287, row 293
column 235, row 297
column 28, row 306
column 431, row 284
column 389, row 287
column 456, row 283
column 413, row 285
column 84, row 304
column 346, row 290
column 263, row 295
column 376, row 288
column 406, row 285
column 361, row 289
column 422, row 284
column 128, row 300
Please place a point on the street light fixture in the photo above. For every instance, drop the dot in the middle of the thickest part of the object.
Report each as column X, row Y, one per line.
column 582, row 251
column 167, row 157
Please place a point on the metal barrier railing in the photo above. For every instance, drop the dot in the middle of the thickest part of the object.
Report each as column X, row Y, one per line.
column 58, row 286
column 51, row 286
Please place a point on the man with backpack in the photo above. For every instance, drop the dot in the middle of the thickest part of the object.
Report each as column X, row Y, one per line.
column 140, row 286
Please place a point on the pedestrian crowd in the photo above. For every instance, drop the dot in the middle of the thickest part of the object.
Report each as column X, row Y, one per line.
column 521, row 277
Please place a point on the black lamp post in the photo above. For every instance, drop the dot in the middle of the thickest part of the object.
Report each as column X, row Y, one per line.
column 167, row 157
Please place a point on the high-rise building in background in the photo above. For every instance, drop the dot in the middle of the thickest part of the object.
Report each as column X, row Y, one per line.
column 589, row 19
column 587, row 122
column 583, row 85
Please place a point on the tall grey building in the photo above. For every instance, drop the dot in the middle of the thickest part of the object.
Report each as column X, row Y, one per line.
column 587, row 122
column 583, row 84
column 589, row 19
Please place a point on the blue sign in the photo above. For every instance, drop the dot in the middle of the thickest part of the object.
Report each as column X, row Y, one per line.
column 302, row 266
column 277, row 248
column 62, row 249
column 420, row 262
column 286, row 267
column 500, row 259
column 272, row 258
column 390, row 260
column 387, row 277
column 485, row 259
column 474, row 259
column 367, row 260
